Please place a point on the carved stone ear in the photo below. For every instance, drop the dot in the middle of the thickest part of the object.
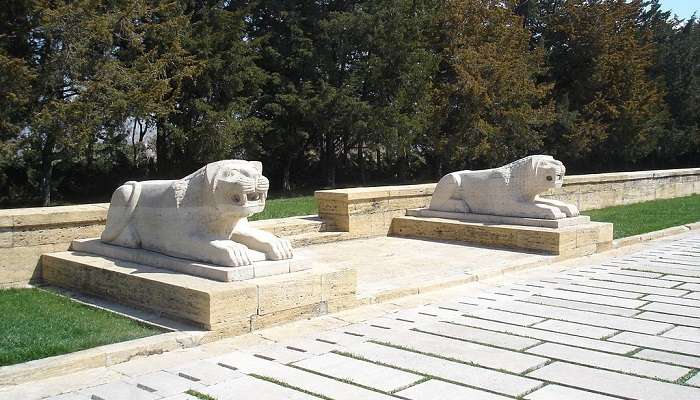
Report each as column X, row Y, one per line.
column 257, row 165
column 211, row 171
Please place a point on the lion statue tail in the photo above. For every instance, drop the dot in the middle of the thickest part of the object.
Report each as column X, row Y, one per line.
column 121, row 209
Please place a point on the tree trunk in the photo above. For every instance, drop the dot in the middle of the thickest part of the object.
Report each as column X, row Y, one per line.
column 47, row 170
column 330, row 161
column 361, row 161
column 403, row 166
column 286, row 173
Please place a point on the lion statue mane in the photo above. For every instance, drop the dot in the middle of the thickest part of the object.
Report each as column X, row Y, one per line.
column 511, row 190
column 201, row 217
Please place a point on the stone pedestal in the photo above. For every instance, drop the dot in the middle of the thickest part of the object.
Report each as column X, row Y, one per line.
column 579, row 239
column 229, row 307
column 259, row 268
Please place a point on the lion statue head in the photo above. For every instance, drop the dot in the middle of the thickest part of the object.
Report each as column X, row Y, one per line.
column 537, row 174
column 238, row 187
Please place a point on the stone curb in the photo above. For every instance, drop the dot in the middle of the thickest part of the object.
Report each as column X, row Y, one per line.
column 101, row 356
column 662, row 233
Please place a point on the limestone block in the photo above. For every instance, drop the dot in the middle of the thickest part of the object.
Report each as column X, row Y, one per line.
column 55, row 234
column 335, row 207
column 511, row 190
column 82, row 214
column 638, row 191
column 21, row 264
column 338, row 283
column 581, row 238
column 368, row 223
column 403, row 203
column 200, row 301
column 5, row 237
column 283, row 292
column 281, row 316
column 371, row 206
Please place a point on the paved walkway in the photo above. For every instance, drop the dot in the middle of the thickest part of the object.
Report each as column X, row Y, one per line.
column 622, row 328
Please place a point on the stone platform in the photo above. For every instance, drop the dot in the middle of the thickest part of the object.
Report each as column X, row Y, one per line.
column 228, row 307
column 499, row 219
column 259, row 268
column 580, row 239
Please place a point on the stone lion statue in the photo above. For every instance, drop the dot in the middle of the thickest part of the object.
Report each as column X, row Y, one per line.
column 201, row 217
column 511, row 190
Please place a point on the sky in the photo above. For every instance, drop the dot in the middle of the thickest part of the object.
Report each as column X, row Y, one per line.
column 683, row 8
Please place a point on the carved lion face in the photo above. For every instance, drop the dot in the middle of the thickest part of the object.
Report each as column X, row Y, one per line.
column 238, row 187
column 549, row 173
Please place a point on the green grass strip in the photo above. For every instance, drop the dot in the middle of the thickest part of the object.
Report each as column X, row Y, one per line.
column 35, row 324
column 289, row 207
column 635, row 219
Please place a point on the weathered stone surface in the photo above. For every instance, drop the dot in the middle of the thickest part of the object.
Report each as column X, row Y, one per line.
column 609, row 361
column 499, row 219
column 360, row 372
column 613, row 383
column 563, row 241
column 439, row 390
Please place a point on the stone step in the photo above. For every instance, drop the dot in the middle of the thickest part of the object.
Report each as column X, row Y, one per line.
column 311, row 238
column 294, row 225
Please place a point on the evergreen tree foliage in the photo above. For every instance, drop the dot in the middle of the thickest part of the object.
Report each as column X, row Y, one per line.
column 337, row 92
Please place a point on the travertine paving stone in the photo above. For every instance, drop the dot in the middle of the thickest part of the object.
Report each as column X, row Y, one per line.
column 669, row 318
column 361, row 372
column 470, row 375
column 673, row 309
column 165, row 384
column 693, row 295
column 672, row 358
column 204, row 372
column 589, row 331
column 578, row 305
column 295, row 377
column 478, row 335
column 247, row 387
column 694, row 381
column 614, row 383
column 635, row 280
column 684, row 333
column 586, row 317
column 603, row 291
column 548, row 335
column 507, row 317
column 593, row 298
column 438, row 390
column 657, row 342
column 119, row 391
column 683, row 301
column 609, row 361
column 556, row 392
column 633, row 288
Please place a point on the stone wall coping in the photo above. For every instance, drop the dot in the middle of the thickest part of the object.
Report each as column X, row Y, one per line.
column 376, row 192
column 59, row 215
column 628, row 176
column 373, row 192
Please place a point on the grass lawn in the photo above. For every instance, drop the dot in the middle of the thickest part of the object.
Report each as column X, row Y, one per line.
column 36, row 324
column 634, row 219
column 288, row 207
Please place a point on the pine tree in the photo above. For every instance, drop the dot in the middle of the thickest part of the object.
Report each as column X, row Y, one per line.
column 608, row 105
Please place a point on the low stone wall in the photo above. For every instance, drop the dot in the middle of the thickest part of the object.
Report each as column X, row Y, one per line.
column 371, row 210
column 27, row 233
